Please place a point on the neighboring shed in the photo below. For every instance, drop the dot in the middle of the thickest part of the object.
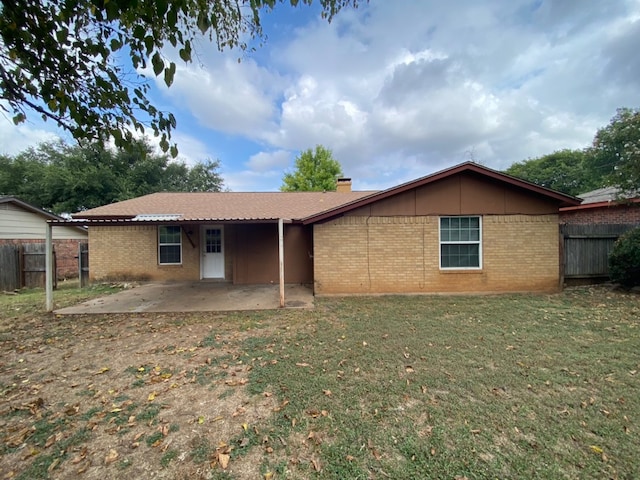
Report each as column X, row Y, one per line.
column 22, row 223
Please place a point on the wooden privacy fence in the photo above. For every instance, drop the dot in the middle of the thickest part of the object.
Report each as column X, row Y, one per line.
column 24, row 266
column 586, row 248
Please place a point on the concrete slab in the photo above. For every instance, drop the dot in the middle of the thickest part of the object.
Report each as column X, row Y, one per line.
column 194, row 297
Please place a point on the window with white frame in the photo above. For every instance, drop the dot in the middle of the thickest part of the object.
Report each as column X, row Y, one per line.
column 169, row 245
column 460, row 242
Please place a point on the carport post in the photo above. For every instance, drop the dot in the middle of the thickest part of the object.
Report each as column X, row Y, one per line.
column 48, row 258
column 281, row 259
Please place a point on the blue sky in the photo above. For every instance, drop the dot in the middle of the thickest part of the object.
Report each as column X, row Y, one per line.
column 400, row 89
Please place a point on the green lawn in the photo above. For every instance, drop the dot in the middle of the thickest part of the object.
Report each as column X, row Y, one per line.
column 445, row 387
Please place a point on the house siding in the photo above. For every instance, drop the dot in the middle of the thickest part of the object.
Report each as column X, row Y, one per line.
column 354, row 255
column 17, row 223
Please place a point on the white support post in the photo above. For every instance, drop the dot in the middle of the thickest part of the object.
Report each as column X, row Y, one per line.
column 281, row 259
column 49, row 267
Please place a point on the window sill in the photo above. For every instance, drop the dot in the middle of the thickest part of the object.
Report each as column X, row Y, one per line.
column 462, row 271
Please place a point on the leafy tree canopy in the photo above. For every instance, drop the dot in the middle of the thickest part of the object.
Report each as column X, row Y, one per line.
column 79, row 63
column 564, row 170
column 616, row 151
column 315, row 171
column 67, row 179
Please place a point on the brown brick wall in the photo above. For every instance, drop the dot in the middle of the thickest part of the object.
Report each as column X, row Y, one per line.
column 400, row 255
column 616, row 214
column 131, row 252
column 66, row 253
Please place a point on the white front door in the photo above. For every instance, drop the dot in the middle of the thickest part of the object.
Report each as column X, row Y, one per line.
column 212, row 251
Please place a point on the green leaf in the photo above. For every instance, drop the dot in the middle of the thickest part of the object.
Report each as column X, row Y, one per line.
column 115, row 45
column 203, row 23
column 148, row 43
column 158, row 64
column 169, row 73
column 185, row 53
column 19, row 118
column 161, row 7
column 172, row 17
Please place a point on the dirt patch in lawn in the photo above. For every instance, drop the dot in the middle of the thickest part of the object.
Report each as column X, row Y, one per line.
column 146, row 397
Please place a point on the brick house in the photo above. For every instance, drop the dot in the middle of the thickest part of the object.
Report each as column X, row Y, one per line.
column 22, row 223
column 602, row 206
column 464, row 229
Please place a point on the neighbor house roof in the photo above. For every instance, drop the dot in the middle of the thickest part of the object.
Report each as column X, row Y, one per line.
column 467, row 167
column 602, row 197
column 30, row 208
column 4, row 200
column 221, row 206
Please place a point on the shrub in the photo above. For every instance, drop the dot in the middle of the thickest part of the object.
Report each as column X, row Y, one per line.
column 624, row 259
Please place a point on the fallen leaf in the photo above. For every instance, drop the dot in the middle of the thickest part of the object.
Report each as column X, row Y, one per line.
column 327, row 392
column 409, row 369
column 268, row 476
column 223, row 458
column 201, row 419
column 102, row 370
column 152, row 396
column 245, row 426
column 303, row 364
column 53, row 465
column 316, row 464
column 111, row 457
column 596, row 449
column 350, row 458
column 267, row 394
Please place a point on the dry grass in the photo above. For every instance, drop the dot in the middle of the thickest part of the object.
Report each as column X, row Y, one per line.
column 514, row 386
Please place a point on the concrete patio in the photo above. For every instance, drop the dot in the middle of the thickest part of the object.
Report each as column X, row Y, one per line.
column 194, row 297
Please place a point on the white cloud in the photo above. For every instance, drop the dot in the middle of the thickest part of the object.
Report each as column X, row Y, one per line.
column 266, row 161
column 17, row 138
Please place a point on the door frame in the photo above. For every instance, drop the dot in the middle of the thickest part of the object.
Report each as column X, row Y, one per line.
column 203, row 246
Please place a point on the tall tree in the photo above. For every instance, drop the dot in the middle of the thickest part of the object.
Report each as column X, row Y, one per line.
column 78, row 63
column 616, row 151
column 564, row 170
column 67, row 179
column 315, row 171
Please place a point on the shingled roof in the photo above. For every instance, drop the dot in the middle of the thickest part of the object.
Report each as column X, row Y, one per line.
column 222, row 206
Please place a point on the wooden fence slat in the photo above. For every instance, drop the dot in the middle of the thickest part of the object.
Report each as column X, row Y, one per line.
column 9, row 267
